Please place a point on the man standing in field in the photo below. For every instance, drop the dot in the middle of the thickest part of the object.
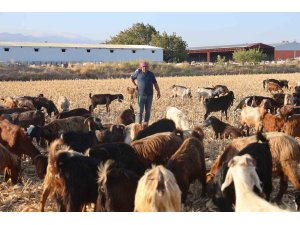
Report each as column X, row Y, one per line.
column 145, row 81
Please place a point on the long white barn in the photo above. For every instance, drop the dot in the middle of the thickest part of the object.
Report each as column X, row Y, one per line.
column 35, row 52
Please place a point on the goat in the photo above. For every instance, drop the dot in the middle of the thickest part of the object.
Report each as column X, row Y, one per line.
column 255, row 101
column 63, row 104
column 14, row 110
column 9, row 102
column 53, row 184
column 116, row 133
column 297, row 201
column 242, row 172
column 218, row 104
column 16, row 141
column 162, row 125
column 104, row 99
column 157, row 191
column 10, row 164
column 219, row 90
column 178, row 117
column 54, row 129
column 181, row 91
column 157, row 148
column 131, row 131
column 274, row 87
column 221, row 129
column 117, row 187
column 204, row 93
column 292, row 126
column 285, row 153
column 272, row 122
column 25, row 119
column 126, row 117
column 132, row 94
column 188, row 164
column 281, row 83
column 74, row 112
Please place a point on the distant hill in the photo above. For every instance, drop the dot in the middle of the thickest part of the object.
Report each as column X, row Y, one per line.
column 50, row 38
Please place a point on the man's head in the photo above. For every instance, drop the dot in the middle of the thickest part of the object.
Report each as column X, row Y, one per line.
column 144, row 66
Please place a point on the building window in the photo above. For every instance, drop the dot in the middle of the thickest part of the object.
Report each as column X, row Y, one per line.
column 6, row 49
column 111, row 51
column 88, row 50
column 36, row 49
column 63, row 50
column 133, row 51
column 153, row 51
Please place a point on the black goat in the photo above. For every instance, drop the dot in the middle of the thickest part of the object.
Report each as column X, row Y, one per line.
column 74, row 112
column 117, row 187
column 27, row 118
column 103, row 99
column 218, row 104
column 79, row 174
column 162, row 125
column 221, row 129
column 255, row 101
column 261, row 153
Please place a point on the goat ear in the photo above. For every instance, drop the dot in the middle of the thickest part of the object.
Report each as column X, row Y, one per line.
column 231, row 163
column 254, row 176
column 228, row 180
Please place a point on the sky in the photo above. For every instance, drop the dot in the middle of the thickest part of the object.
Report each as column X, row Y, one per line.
column 196, row 28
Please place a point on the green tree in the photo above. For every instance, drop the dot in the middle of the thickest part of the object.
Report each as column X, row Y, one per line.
column 251, row 55
column 138, row 34
column 173, row 45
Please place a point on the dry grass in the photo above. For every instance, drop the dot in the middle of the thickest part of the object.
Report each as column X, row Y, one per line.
column 16, row 198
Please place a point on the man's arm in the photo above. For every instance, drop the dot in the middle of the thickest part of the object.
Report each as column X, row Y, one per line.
column 157, row 89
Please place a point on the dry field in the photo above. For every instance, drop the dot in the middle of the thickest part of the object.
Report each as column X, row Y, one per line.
column 26, row 196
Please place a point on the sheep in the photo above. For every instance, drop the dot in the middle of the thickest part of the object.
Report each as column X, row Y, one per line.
column 54, row 129
column 132, row 94
column 204, row 93
column 104, row 99
column 178, row 90
column 126, row 117
column 63, row 104
column 117, row 187
column 16, row 141
column 131, row 132
column 157, row 191
column 285, row 153
column 10, row 164
column 221, row 129
column 53, row 184
column 218, row 104
column 157, row 148
column 188, row 164
column 178, row 117
column 74, row 112
column 162, row 125
column 25, row 119
column 242, row 172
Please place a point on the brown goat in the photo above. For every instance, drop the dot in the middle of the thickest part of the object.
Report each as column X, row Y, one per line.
column 272, row 123
column 292, row 126
column 157, row 148
column 273, row 87
column 126, row 117
column 285, row 157
column 16, row 141
column 157, row 191
column 53, row 184
column 188, row 164
column 132, row 94
column 10, row 163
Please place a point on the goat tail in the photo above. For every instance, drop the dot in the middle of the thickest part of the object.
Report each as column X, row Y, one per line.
column 55, row 146
column 90, row 95
column 131, row 108
column 292, row 171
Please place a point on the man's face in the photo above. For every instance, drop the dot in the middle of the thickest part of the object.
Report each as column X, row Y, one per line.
column 145, row 68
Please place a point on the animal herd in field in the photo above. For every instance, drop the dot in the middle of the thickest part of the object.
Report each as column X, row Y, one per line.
column 126, row 166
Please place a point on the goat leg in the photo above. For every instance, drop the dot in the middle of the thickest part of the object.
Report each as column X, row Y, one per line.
column 282, row 188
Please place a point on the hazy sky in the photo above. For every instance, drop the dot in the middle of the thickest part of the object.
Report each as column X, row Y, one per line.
column 197, row 29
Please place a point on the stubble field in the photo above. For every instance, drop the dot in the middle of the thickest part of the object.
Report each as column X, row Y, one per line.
column 26, row 196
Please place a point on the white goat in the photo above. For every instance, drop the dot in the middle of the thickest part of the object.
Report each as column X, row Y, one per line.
column 204, row 93
column 131, row 131
column 178, row 117
column 242, row 172
column 181, row 91
column 63, row 104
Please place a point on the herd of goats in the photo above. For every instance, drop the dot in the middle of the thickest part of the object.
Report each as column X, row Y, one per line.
column 126, row 166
